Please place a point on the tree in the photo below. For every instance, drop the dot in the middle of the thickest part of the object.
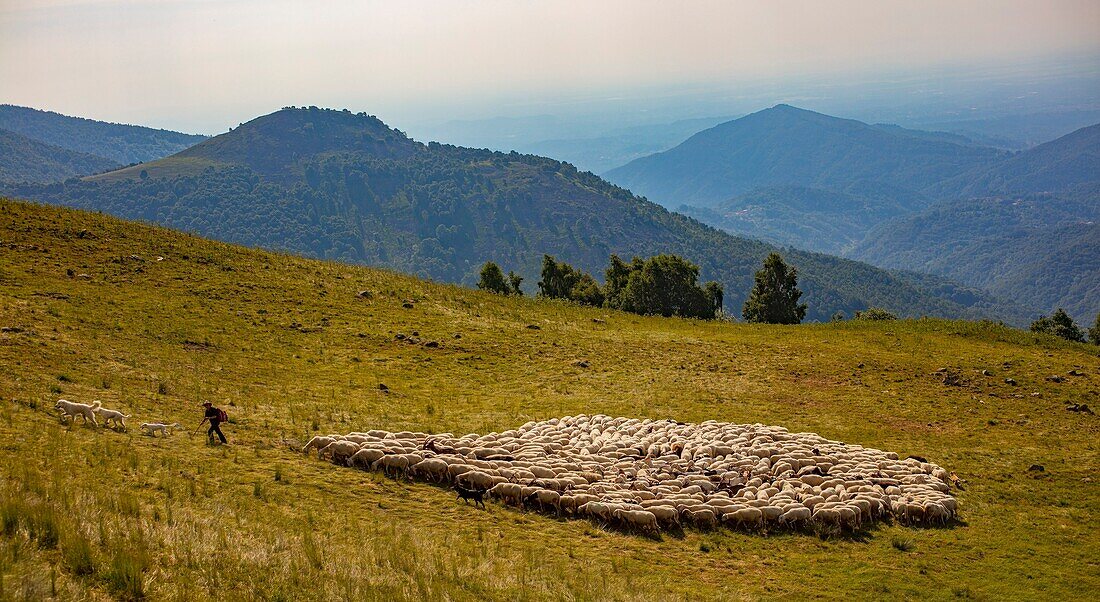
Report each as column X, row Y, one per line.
column 774, row 296
column 492, row 279
column 514, row 280
column 1060, row 325
column 875, row 313
column 557, row 279
column 587, row 291
column 665, row 285
column 838, row 316
column 615, row 280
column 1094, row 332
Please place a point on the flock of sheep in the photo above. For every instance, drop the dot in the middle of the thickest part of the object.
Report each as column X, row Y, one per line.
column 647, row 475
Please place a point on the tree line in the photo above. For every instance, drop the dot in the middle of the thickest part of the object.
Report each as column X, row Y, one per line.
column 662, row 285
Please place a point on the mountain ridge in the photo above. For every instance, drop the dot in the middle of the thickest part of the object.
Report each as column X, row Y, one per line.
column 124, row 144
column 24, row 159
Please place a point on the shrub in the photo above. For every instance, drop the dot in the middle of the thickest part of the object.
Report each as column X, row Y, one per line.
column 1060, row 325
column 875, row 313
column 1094, row 332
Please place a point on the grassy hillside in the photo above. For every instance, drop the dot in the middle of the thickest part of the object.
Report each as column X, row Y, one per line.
column 290, row 349
column 118, row 142
column 23, row 159
column 337, row 185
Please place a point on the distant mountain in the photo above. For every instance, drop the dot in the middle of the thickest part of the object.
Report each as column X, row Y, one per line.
column 1040, row 249
column 123, row 144
column 336, row 185
column 787, row 146
column 25, row 160
column 1068, row 162
column 815, row 219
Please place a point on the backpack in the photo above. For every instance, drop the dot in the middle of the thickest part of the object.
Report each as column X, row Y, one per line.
column 222, row 416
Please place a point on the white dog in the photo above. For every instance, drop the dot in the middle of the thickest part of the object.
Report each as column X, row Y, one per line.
column 111, row 417
column 153, row 427
column 71, row 410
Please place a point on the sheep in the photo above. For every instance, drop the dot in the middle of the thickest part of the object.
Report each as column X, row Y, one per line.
column 430, row 468
column 364, row 458
column 710, row 473
column 339, row 451
column 318, row 443
column 396, row 464
column 544, row 498
column 475, row 479
column 643, row 520
column 510, row 493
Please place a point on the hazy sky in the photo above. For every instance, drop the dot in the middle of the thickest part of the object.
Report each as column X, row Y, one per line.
column 204, row 65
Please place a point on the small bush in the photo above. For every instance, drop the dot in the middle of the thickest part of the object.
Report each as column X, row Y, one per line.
column 902, row 544
column 875, row 313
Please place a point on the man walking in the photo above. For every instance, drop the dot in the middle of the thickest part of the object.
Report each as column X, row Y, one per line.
column 216, row 417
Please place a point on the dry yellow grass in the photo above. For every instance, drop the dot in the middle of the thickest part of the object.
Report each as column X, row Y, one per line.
column 290, row 350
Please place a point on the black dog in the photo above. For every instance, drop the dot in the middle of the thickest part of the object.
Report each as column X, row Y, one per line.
column 477, row 495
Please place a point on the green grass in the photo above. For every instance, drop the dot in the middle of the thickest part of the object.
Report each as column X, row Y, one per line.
column 288, row 349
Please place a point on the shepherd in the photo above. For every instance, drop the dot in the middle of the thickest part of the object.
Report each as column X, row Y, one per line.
column 216, row 416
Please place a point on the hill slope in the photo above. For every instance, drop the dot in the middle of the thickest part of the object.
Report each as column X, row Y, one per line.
column 1043, row 250
column 785, row 146
column 340, row 186
column 817, row 219
column 23, row 159
column 290, row 350
column 1062, row 164
column 120, row 143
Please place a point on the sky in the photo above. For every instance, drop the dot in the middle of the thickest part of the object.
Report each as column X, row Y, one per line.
column 206, row 65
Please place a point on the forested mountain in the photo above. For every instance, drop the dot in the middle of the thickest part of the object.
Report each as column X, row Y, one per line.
column 122, row 144
column 1040, row 249
column 336, row 185
column 25, row 160
column 787, row 146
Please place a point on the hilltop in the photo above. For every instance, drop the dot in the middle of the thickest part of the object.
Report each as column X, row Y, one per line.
column 337, row 185
column 23, row 159
column 151, row 321
column 120, row 143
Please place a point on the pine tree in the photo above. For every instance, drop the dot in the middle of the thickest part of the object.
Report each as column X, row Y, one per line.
column 1094, row 332
column 774, row 296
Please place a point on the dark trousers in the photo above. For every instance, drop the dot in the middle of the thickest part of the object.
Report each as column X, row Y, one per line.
column 214, row 428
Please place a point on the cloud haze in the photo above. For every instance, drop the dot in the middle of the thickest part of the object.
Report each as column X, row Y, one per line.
column 204, row 65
